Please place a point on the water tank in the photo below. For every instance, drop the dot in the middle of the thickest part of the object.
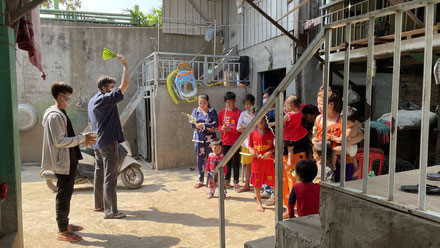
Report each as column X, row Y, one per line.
column 28, row 117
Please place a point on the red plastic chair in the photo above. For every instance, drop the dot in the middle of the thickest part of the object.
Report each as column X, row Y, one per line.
column 375, row 154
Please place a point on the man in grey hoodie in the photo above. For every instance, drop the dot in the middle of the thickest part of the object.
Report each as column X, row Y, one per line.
column 61, row 155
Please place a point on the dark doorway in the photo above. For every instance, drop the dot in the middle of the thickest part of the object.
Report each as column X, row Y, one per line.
column 272, row 78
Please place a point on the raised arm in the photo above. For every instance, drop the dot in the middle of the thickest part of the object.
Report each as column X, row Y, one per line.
column 125, row 81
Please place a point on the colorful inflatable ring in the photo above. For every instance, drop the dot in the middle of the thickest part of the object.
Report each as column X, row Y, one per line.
column 170, row 86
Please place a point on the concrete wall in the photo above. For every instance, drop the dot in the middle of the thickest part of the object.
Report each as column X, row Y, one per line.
column 174, row 145
column 72, row 53
column 349, row 222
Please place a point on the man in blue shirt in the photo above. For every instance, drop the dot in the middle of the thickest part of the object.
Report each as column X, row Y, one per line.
column 104, row 119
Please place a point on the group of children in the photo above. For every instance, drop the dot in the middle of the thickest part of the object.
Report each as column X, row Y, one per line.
column 257, row 151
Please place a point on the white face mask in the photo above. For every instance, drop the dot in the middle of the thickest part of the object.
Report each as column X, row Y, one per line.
column 110, row 90
column 69, row 101
column 264, row 100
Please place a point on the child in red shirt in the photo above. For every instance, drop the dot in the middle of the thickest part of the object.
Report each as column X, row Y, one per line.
column 306, row 193
column 294, row 133
column 227, row 125
column 214, row 159
column 261, row 148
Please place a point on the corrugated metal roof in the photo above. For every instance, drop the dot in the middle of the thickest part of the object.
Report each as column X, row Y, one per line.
column 176, row 11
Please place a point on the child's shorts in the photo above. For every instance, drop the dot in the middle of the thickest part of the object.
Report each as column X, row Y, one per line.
column 245, row 159
column 258, row 179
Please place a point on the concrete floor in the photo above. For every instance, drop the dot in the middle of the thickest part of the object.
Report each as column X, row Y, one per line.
column 166, row 212
column 379, row 186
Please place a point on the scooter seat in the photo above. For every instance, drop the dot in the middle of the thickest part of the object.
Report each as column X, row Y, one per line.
column 88, row 151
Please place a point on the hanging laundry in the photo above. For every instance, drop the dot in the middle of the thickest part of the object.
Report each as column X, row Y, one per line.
column 29, row 37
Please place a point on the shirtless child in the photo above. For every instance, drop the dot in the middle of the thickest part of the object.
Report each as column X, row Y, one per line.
column 354, row 132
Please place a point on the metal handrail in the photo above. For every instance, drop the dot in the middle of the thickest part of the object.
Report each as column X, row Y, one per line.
column 85, row 16
column 207, row 68
column 381, row 13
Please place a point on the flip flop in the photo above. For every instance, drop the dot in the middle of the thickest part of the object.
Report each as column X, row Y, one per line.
column 236, row 187
column 99, row 209
column 228, row 186
column 430, row 189
column 198, row 185
column 434, row 176
column 69, row 237
column 115, row 216
column 270, row 202
column 74, row 228
column 243, row 189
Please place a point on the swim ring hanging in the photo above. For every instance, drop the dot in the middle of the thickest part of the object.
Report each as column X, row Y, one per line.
column 184, row 84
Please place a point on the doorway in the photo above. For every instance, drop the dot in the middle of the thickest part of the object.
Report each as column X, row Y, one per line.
column 272, row 78
column 144, row 123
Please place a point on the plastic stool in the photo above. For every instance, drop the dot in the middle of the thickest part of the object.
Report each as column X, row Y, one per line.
column 375, row 154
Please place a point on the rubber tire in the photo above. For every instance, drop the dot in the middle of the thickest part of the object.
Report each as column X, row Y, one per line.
column 125, row 180
column 51, row 185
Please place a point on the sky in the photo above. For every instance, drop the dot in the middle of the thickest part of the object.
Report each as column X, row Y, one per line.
column 117, row 6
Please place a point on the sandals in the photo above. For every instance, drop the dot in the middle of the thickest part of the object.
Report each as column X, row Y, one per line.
column 74, row 228
column 236, row 187
column 99, row 209
column 434, row 176
column 270, row 202
column 115, row 216
column 198, row 185
column 69, row 237
column 243, row 189
column 430, row 189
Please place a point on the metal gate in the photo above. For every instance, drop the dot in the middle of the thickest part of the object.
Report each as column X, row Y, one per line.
column 144, row 127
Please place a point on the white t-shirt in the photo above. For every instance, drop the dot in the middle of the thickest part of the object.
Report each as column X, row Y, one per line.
column 245, row 118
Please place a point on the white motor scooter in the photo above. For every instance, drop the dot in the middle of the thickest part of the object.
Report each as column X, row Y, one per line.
column 129, row 169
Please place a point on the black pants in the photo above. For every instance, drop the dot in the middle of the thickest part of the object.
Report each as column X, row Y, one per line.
column 64, row 195
column 232, row 165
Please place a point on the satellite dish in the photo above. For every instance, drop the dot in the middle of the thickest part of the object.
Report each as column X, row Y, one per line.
column 210, row 33
column 28, row 117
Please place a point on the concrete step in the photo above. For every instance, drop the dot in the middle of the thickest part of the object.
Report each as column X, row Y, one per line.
column 267, row 242
column 303, row 232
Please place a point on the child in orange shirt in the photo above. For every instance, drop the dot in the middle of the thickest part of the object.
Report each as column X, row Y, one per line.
column 261, row 148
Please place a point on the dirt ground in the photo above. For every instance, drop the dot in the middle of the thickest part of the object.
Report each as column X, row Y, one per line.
column 166, row 212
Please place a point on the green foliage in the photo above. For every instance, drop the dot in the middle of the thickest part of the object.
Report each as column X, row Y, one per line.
column 152, row 18
column 69, row 4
